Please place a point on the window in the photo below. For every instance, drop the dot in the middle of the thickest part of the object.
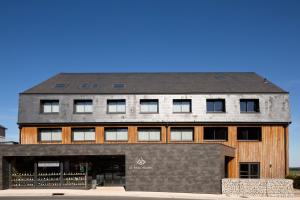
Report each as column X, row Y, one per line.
column 149, row 134
column 116, row 134
column 182, row 134
column 83, row 106
column 215, row 133
column 83, row 134
column 49, row 106
column 50, row 135
column 149, row 105
column 59, row 85
column 249, row 170
column 116, row 106
column 118, row 85
column 249, row 105
column 215, row 105
column 249, row 133
column 182, row 105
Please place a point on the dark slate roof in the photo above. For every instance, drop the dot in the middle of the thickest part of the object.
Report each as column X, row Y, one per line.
column 155, row 83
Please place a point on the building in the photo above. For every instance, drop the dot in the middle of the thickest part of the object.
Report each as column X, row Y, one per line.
column 180, row 132
column 2, row 133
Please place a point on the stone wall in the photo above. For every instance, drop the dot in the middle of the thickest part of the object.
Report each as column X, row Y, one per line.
column 258, row 187
column 196, row 168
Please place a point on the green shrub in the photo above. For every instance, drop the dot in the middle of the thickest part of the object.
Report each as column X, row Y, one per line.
column 296, row 180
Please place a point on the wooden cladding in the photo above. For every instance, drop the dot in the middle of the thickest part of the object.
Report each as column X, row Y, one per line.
column 271, row 152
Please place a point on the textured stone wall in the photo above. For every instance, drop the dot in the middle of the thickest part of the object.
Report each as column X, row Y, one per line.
column 258, row 187
column 197, row 168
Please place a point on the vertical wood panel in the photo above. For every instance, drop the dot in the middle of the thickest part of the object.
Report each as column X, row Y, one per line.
column 271, row 152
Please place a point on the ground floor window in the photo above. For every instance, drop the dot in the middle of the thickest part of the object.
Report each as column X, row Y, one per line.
column 249, row 170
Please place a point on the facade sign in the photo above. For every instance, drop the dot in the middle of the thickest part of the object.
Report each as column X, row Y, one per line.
column 140, row 163
column 48, row 164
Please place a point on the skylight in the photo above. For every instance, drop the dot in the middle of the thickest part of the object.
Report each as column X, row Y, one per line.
column 118, row 85
column 59, row 85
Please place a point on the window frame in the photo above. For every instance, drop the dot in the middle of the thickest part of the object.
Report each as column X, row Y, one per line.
column 116, row 140
column 181, row 101
column 52, row 132
column 149, row 100
column 82, row 100
column 42, row 104
column 149, row 128
column 84, row 140
column 214, row 133
column 115, row 100
column 182, row 128
column 238, row 129
column 249, row 175
column 223, row 101
column 246, row 101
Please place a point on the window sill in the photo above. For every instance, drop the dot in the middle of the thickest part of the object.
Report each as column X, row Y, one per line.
column 50, row 141
column 82, row 113
column 50, row 113
column 215, row 112
column 250, row 112
column 182, row 112
column 83, row 141
column 115, row 112
column 149, row 113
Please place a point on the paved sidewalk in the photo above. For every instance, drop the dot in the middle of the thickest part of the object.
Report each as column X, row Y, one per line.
column 119, row 191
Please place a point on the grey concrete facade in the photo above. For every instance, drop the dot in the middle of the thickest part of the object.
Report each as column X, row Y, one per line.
column 274, row 108
column 197, row 168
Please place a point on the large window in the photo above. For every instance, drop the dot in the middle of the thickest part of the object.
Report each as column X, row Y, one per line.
column 50, row 135
column 215, row 105
column 49, row 106
column 83, row 134
column 182, row 106
column 83, row 106
column 249, row 133
column 116, row 106
column 249, row 170
column 116, row 134
column 249, row 105
column 215, row 133
column 182, row 134
column 149, row 134
column 149, row 105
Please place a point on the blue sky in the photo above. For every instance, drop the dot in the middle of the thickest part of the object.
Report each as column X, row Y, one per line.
column 41, row 38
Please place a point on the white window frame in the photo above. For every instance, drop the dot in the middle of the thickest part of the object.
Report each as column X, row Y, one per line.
column 181, row 134
column 116, row 134
column 147, row 105
column 53, row 106
column 180, row 105
column 149, row 132
column 51, row 133
column 87, row 106
column 84, row 132
column 116, row 106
